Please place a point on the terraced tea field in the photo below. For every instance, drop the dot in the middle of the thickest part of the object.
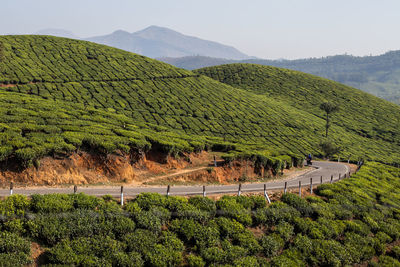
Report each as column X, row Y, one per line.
column 60, row 95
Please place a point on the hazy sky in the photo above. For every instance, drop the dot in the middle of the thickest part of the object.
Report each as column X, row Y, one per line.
column 264, row 28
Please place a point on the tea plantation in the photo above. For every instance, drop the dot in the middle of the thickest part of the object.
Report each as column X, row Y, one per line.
column 354, row 221
column 359, row 113
column 59, row 95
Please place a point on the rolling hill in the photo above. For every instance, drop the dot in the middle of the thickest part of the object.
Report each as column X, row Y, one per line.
column 60, row 95
column 377, row 75
column 358, row 111
column 157, row 41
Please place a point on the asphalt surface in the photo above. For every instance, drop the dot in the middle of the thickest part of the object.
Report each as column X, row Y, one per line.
column 321, row 168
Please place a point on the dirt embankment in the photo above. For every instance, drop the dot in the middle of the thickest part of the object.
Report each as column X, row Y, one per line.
column 7, row 85
column 238, row 171
column 87, row 168
column 148, row 169
column 3, row 85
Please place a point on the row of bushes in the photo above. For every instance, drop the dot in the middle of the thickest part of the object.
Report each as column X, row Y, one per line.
column 52, row 59
column 354, row 221
column 30, row 132
column 264, row 159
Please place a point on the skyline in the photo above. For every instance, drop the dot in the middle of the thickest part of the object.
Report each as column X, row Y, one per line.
column 266, row 29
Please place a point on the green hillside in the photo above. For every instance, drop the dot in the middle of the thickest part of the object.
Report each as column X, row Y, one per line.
column 360, row 113
column 58, row 95
column 378, row 75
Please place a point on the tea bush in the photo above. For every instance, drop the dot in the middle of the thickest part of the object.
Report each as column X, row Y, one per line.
column 155, row 230
column 271, row 244
column 14, row 205
column 14, row 250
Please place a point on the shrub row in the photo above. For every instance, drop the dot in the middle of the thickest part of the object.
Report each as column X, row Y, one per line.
column 354, row 221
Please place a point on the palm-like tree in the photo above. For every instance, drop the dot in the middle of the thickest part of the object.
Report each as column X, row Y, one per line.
column 329, row 108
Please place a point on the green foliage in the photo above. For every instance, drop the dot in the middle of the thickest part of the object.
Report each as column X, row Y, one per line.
column 387, row 261
column 14, row 259
column 231, row 208
column 329, row 108
column 289, row 257
column 15, row 226
column 152, row 219
column 376, row 75
column 14, row 250
column 163, row 256
column 213, row 255
column 105, row 100
column 271, row 244
column 185, row 228
column 303, row 244
column 14, row 205
column 52, row 203
column 371, row 122
column 146, row 201
column 94, row 251
column 206, row 236
column 247, row 241
column 360, row 247
column 246, row 262
column 298, row 203
column 195, row 261
column 114, row 101
column 228, row 227
column 141, row 241
column 204, row 204
column 285, row 230
column 171, row 241
column 10, row 242
column 329, row 253
column 329, row 149
column 276, row 213
column 395, row 252
column 131, row 259
column 51, row 228
column 353, row 221
column 82, row 201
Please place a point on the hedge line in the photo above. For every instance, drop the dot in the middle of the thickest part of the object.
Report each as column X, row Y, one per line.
column 354, row 221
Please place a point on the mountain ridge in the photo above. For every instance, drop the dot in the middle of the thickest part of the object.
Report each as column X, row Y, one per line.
column 155, row 41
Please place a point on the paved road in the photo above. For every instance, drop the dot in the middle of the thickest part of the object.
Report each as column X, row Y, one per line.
column 322, row 168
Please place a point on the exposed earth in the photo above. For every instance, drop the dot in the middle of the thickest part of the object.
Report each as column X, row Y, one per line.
column 323, row 169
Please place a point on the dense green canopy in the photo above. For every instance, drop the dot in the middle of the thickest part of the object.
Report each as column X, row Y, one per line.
column 349, row 223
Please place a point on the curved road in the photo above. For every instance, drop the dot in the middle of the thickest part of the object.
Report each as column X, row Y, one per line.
column 322, row 168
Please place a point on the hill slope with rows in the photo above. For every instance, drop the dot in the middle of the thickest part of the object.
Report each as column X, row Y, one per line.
column 378, row 75
column 359, row 113
column 58, row 95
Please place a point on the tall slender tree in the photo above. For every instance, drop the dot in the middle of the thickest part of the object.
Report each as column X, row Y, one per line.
column 329, row 108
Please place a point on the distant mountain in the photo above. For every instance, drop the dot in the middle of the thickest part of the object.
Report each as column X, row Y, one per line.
column 157, row 42
column 57, row 32
column 378, row 75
